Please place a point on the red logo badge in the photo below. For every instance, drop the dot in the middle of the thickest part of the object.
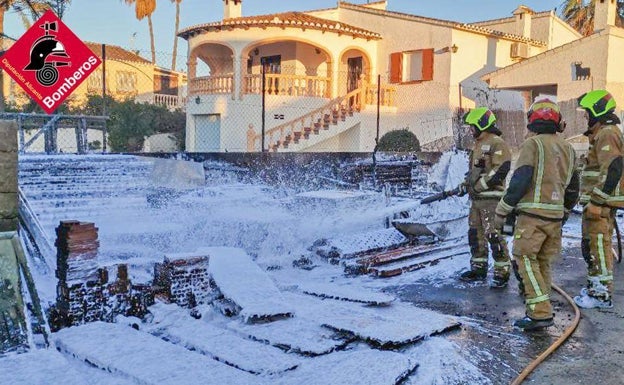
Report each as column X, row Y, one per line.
column 49, row 62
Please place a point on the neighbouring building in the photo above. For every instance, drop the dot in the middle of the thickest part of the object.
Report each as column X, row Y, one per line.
column 128, row 76
column 570, row 70
column 325, row 69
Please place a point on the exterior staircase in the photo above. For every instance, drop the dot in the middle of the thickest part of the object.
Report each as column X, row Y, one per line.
column 337, row 116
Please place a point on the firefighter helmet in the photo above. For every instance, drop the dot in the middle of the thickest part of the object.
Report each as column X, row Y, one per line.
column 482, row 118
column 544, row 110
column 597, row 103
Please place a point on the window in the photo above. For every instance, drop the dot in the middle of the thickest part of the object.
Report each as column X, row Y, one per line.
column 411, row 66
column 94, row 81
column 126, row 82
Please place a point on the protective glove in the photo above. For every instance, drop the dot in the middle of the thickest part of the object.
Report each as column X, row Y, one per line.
column 499, row 223
column 592, row 211
column 480, row 185
column 566, row 216
column 462, row 189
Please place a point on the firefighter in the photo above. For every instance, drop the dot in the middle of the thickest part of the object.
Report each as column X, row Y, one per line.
column 541, row 192
column 602, row 192
column 490, row 161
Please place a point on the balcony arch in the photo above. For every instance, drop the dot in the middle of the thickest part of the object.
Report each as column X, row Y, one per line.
column 219, row 58
column 354, row 68
column 293, row 66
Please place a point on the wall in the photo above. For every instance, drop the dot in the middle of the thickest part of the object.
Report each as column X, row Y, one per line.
column 8, row 176
column 615, row 75
column 237, row 115
column 555, row 67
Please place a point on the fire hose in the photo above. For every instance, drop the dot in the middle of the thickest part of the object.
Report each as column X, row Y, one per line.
column 566, row 334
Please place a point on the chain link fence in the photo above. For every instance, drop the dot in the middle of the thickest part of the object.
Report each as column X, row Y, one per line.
column 130, row 104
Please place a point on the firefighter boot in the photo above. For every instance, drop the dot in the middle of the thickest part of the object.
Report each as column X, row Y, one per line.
column 586, row 301
column 529, row 324
column 473, row 275
column 499, row 281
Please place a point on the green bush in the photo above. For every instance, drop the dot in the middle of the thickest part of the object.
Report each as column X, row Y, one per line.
column 131, row 122
column 399, row 141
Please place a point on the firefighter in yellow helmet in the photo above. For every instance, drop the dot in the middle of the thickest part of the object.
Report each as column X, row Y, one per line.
column 542, row 191
column 490, row 161
column 602, row 192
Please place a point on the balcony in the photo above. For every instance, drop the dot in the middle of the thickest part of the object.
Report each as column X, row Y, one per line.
column 289, row 85
column 211, row 85
column 172, row 102
column 276, row 84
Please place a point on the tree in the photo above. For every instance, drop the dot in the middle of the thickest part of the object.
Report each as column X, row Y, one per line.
column 143, row 9
column 175, row 35
column 580, row 14
column 399, row 141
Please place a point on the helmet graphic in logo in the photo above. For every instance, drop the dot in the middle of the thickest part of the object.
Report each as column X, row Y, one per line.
column 46, row 54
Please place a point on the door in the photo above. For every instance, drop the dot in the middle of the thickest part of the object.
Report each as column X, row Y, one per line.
column 272, row 65
column 354, row 65
column 207, row 133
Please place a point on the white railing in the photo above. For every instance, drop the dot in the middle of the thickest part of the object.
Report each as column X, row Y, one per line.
column 289, row 85
column 172, row 102
column 209, row 85
column 312, row 122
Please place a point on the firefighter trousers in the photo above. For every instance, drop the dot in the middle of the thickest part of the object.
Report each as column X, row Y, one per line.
column 598, row 253
column 481, row 233
column 537, row 243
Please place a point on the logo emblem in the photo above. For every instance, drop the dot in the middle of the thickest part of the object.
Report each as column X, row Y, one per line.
column 49, row 62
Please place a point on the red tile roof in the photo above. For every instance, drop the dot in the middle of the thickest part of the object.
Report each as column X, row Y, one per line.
column 114, row 52
column 447, row 23
column 283, row 20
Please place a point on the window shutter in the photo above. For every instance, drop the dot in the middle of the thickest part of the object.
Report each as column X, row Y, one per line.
column 396, row 67
column 427, row 64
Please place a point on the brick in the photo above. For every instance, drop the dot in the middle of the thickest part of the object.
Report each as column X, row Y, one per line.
column 8, row 224
column 8, row 205
column 8, row 178
column 8, row 136
column 8, row 158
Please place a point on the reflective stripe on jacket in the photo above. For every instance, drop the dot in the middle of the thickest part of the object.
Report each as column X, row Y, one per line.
column 553, row 161
column 489, row 164
column 605, row 145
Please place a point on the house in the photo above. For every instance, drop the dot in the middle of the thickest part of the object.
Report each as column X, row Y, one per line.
column 325, row 69
column 128, row 75
column 570, row 70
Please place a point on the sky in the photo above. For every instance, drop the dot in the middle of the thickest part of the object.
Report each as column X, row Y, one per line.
column 113, row 22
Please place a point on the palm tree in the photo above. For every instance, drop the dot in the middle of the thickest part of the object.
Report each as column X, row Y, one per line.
column 143, row 9
column 175, row 36
column 580, row 14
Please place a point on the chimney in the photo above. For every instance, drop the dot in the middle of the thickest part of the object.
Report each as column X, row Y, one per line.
column 524, row 16
column 605, row 12
column 232, row 9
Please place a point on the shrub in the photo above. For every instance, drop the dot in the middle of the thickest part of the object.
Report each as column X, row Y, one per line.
column 399, row 141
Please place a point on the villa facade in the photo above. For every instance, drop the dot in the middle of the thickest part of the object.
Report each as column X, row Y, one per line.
column 324, row 71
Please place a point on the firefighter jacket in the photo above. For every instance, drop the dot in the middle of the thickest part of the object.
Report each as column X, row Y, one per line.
column 601, row 178
column 545, row 181
column 490, row 161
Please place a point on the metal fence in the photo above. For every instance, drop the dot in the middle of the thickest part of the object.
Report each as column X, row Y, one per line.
column 139, row 106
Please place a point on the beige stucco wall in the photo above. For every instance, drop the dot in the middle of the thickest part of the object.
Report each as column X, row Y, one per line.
column 237, row 115
column 602, row 52
column 555, row 67
column 545, row 27
column 144, row 83
column 615, row 69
